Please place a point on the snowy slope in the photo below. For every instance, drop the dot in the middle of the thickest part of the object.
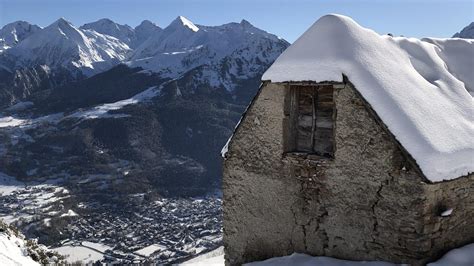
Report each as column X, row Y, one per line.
column 101, row 111
column 16, row 250
column 13, row 248
column 63, row 45
column 13, row 33
column 145, row 30
column 124, row 33
column 133, row 37
column 182, row 35
column 425, row 104
column 13, row 251
column 466, row 33
column 179, row 36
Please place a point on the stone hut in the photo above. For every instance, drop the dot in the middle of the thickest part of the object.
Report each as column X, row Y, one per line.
column 357, row 146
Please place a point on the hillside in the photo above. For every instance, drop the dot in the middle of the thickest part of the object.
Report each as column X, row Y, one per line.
column 16, row 250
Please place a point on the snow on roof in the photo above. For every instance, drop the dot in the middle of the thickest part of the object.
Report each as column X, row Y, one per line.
column 419, row 88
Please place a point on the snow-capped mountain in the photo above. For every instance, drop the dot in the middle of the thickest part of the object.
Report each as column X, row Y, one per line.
column 144, row 31
column 133, row 37
column 466, row 33
column 183, row 45
column 182, row 36
column 177, row 37
column 124, row 33
column 61, row 53
column 61, row 45
column 13, row 33
column 171, row 52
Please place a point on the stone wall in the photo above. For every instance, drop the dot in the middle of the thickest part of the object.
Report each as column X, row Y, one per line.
column 368, row 203
column 451, row 231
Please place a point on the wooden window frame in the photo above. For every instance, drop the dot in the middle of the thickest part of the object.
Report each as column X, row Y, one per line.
column 294, row 117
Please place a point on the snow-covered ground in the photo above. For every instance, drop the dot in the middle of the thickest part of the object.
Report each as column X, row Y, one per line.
column 297, row 259
column 460, row 257
column 457, row 257
column 98, row 246
column 213, row 258
column 69, row 213
column 86, row 252
column 13, row 251
column 147, row 251
column 8, row 184
column 15, row 122
column 23, row 201
column 10, row 121
column 101, row 111
column 79, row 253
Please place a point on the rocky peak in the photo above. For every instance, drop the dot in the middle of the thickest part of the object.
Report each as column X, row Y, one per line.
column 13, row 33
column 245, row 23
column 106, row 26
column 61, row 22
column 146, row 25
column 466, row 33
column 182, row 22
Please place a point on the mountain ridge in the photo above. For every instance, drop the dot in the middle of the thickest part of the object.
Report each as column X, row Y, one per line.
column 466, row 33
column 62, row 45
column 15, row 32
column 74, row 53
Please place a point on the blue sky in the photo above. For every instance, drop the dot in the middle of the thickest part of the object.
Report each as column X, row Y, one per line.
column 286, row 18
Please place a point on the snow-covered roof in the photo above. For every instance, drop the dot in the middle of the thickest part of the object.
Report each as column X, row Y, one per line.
column 419, row 88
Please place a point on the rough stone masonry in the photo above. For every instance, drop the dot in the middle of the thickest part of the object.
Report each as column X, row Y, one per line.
column 367, row 202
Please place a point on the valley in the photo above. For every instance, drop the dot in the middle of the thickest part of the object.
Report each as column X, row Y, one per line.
column 142, row 228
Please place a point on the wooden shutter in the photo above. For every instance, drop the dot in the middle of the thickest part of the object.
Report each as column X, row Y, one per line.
column 314, row 113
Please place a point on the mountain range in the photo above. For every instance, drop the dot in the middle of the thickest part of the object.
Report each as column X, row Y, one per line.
column 72, row 53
